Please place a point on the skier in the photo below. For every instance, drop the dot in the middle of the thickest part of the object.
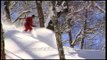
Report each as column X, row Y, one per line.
column 29, row 23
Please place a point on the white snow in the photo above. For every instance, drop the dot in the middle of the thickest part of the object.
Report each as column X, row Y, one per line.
column 49, row 17
column 58, row 8
column 40, row 44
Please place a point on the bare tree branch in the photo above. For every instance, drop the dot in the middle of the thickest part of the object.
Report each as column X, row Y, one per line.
column 77, row 36
column 21, row 14
column 98, row 7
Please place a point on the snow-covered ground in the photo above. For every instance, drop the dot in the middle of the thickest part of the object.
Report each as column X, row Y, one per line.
column 40, row 44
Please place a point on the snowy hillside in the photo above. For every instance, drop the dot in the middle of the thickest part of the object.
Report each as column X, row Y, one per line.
column 40, row 44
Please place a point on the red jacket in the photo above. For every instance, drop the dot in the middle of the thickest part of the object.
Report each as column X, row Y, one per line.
column 29, row 21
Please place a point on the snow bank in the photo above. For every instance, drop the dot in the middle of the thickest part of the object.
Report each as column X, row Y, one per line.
column 36, row 44
column 40, row 44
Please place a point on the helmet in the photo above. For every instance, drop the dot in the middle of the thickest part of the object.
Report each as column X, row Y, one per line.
column 33, row 15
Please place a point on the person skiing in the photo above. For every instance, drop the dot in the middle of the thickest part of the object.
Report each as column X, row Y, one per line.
column 28, row 23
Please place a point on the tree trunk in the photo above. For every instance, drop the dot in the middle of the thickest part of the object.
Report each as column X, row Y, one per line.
column 58, row 34
column 7, row 9
column 50, row 26
column 70, row 34
column 70, row 25
column 2, row 45
column 70, row 39
column 40, row 13
column 85, row 25
column 82, row 43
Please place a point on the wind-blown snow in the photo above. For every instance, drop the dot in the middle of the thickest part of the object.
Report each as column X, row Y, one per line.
column 40, row 44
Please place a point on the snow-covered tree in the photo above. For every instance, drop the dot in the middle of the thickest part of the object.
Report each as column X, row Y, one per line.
column 57, row 31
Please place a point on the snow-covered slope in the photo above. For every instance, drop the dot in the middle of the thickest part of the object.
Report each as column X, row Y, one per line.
column 40, row 44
